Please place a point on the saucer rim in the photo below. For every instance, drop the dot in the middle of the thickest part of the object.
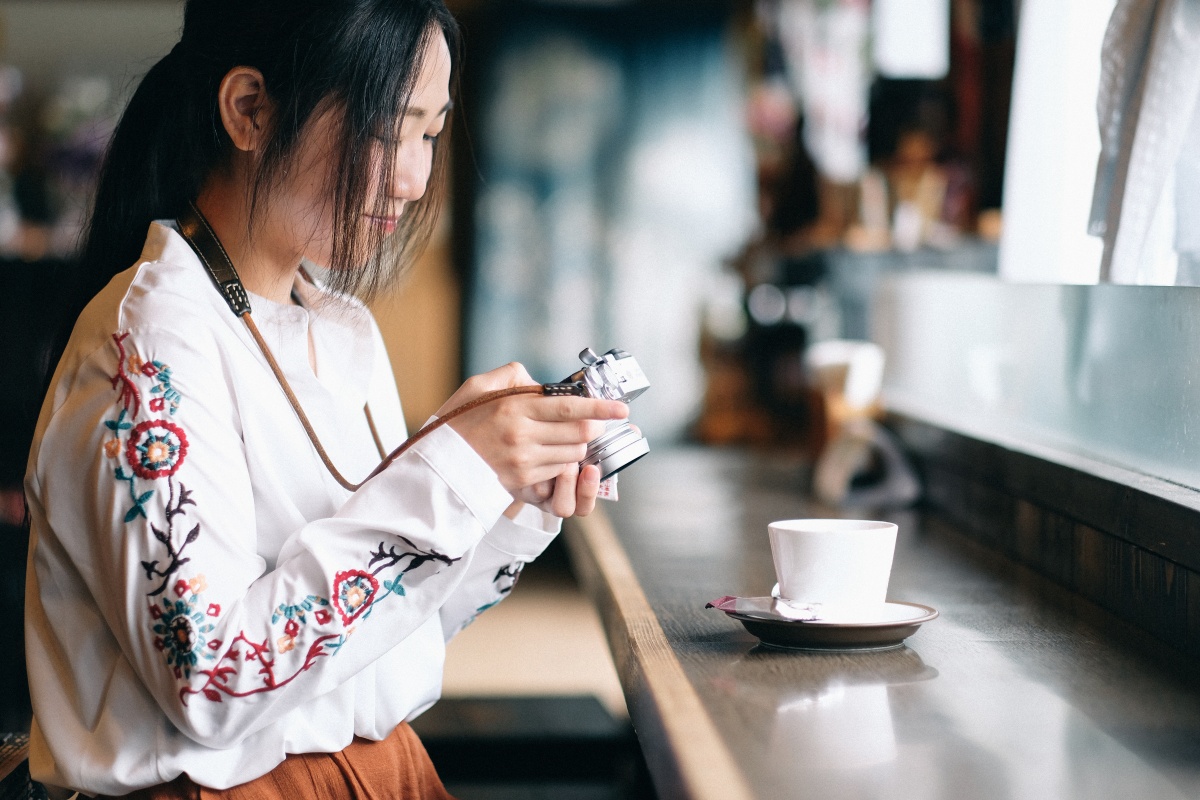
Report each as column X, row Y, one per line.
column 930, row 614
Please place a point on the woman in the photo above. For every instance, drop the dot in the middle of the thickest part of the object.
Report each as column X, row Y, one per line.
column 207, row 605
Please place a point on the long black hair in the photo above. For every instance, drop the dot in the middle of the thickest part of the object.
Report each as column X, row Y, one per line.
column 363, row 56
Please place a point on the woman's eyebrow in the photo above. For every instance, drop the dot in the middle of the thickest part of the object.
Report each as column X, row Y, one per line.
column 420, row 113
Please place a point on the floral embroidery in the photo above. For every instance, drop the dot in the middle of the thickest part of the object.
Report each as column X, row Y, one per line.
column 183, row 623
column 508, row 576
column 181, row 632
column 353, row 593
column 156, row 449
column 130, row 396
column 139, row 500
column 112, row 448
column 169, row 398
column 300, row 611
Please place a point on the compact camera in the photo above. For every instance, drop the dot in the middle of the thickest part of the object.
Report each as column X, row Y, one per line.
column 612, row 376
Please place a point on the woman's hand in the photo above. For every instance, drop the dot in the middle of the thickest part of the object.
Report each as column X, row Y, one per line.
column 531, row 440
column 571, row 494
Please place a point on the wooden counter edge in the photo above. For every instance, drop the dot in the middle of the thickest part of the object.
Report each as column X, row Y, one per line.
column 695, row 763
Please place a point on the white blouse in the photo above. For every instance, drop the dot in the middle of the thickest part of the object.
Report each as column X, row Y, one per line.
column 202, row 596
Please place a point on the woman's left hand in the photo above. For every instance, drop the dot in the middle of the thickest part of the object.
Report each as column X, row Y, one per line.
column 572, row 493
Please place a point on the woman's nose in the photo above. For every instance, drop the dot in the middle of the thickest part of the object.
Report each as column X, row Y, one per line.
column 410, row 171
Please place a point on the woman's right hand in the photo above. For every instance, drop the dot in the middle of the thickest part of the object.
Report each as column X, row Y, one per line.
column 528, row 439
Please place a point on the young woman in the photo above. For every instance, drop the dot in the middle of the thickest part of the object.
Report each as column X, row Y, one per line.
column 208, row 605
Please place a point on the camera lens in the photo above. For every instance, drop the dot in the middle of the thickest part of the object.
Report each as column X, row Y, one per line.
column 616, row 449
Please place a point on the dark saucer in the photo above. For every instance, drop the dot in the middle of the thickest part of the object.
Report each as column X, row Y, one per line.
column 880, row 634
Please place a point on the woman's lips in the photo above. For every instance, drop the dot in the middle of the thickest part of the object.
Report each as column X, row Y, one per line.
column 387, row 223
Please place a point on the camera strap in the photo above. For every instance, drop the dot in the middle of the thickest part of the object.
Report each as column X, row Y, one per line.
column 208, row 248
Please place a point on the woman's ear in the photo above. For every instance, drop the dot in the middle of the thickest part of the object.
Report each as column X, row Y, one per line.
column 244, row 106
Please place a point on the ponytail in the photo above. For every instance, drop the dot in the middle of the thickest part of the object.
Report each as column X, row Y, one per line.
column 156, row 161
column 151, row 170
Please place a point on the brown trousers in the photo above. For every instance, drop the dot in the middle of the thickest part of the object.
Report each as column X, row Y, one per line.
column 398, row 768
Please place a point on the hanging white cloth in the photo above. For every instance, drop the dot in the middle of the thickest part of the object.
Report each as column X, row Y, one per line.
column 826, row 48
column 1149, row 83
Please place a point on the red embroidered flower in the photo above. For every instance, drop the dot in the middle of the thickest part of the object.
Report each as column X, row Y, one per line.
column 214, row 610
column 323, row 616
column 156, row 449
column 353, row 593
column 215, row 644
column 291, row 628
column 157, row 404
column 181, row 588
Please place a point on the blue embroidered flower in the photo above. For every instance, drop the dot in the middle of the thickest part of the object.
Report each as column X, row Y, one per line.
column 181, row 632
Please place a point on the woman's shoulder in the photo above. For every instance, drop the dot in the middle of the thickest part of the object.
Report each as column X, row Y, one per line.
column 168, row 287
column 166, row 296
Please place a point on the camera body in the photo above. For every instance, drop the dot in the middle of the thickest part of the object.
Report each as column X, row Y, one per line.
column 615, row 375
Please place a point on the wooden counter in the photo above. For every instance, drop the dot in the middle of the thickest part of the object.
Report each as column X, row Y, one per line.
column 1020, row 689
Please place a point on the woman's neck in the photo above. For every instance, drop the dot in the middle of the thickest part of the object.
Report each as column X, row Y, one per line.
column 266, row 269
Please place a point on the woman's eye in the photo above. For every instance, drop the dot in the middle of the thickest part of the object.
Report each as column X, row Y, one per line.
column 431, row 138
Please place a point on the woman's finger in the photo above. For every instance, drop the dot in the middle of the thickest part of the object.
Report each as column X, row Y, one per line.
column 562, row 504
column 569, row 409
column 586, row 489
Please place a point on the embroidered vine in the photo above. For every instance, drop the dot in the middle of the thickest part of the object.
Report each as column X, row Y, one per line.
column 356, row 592
column 175, row 508
column 130, row 396
column 508, row 576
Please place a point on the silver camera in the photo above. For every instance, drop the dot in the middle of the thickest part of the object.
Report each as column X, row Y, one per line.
column 612, row 376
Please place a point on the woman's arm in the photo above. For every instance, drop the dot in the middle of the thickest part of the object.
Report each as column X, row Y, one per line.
column 143, row 477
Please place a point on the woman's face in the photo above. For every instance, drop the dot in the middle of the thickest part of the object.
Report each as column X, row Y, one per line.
column 303, row 205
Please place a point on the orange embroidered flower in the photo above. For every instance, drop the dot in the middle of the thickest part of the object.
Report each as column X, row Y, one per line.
column 198, row 584
column 135, row 362
column 112, row 448
column 286, row 643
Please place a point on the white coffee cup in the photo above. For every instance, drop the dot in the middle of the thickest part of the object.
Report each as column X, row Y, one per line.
column 841, row 565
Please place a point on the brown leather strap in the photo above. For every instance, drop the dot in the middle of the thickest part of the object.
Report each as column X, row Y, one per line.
column 374, row 431
column 200, row 235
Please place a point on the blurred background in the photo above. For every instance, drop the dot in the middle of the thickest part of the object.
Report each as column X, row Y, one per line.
column 711, row 185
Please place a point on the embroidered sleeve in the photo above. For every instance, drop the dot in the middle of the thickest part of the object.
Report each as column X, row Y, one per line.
column 496, row 566
column 225, row 645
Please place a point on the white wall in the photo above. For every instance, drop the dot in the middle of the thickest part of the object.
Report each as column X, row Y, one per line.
column 1053, row 143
